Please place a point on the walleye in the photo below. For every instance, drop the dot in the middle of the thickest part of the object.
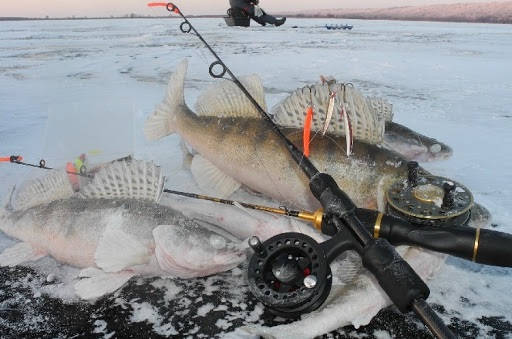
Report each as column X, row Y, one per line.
column 371, row 118
column 245, row 150
column 120, row 225
column 119, row 237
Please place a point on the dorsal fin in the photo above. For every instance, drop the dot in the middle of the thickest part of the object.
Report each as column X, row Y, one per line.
column 224, row 99
column 51, row 187
column 367, row 124
column 130, row 179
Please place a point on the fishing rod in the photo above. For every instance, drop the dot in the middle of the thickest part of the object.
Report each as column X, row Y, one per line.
column 18, row 160
column 478, row 245
column 300, row 265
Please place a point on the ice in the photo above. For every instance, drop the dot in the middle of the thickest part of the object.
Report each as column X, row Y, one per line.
column 451, row 81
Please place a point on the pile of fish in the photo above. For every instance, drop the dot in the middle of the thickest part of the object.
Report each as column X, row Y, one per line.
column 120, row 224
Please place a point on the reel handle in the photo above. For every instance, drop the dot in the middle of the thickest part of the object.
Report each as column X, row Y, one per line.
column 482, row 246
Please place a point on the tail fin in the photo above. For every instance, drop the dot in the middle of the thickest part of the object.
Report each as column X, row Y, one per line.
column 160, row 123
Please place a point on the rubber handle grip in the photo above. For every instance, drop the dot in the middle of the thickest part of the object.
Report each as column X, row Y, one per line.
column 494, row 248
column 395, row 276
column 482, row 246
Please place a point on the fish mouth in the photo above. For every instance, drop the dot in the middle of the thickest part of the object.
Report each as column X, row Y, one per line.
column 427, row 153
column 438, row 151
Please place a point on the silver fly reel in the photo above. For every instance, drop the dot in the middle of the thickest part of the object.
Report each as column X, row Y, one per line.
column 429, row 200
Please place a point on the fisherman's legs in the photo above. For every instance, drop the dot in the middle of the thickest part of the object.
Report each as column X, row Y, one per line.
column 258, row 15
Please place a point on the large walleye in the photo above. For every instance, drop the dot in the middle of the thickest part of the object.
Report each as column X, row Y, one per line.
column 114, row 229
column 233, row 151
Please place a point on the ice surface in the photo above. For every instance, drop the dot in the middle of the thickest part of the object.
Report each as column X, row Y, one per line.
column 450, row 81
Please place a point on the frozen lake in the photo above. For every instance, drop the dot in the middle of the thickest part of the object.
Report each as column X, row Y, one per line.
column 63, row 81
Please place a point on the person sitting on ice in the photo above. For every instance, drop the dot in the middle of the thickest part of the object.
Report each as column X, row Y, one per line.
column 251, row 8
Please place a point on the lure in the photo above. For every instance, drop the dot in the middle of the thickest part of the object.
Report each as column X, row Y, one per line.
column 330, row 109
column 307, row 130
column 349, row 137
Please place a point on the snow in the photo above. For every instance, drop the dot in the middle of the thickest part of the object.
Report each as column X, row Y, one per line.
column 450, row 81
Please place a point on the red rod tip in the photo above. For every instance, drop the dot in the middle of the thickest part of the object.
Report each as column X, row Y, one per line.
column 155, row 4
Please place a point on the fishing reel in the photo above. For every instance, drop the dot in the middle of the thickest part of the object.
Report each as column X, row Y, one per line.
column 289, row 273
column 429, row 200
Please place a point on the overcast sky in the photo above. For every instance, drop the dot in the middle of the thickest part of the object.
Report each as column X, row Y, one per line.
column 60, row 8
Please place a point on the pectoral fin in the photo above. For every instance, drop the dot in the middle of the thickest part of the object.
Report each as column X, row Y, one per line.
column 118, row 250
column 19, row 253
column 211, row 179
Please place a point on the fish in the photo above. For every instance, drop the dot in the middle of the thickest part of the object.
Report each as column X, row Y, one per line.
column 413, row 145
column 114, row 229
column 372, row 119
column 234, row 148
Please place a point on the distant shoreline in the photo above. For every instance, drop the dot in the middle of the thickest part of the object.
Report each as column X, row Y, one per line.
column 299, row 16
column 105, row 18
column 499, row 12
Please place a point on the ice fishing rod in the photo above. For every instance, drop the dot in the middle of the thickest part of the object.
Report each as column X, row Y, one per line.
column 290, row 272
column 482, row 246
column 18, row 160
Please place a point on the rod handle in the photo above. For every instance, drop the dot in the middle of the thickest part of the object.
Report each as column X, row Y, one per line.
column 483, row 246
column 396, row 277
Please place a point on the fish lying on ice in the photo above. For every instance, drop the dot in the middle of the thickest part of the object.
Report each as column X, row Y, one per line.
column 231, row 151
column 371, row 120
column 115, row 230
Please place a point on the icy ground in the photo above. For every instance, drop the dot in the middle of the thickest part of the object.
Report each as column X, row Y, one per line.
column 60, row 81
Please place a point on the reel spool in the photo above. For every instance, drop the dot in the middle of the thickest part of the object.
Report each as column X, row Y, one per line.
column 289, row 274
column 429, row 200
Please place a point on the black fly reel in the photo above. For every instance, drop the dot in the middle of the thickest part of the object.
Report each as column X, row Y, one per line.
column 429, row 200
column 289, row 274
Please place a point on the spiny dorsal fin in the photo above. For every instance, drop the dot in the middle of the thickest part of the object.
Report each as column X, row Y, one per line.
column 383, row 107
column 224, row 99
column 131, row 179
column 367, row 124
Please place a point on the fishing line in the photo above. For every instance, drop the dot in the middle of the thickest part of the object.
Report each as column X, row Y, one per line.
column 18, row 160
